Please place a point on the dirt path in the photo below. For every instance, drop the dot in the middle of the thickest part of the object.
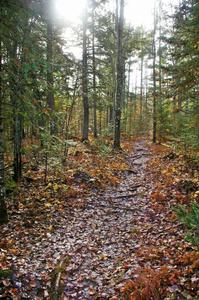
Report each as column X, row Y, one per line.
column 100, row 238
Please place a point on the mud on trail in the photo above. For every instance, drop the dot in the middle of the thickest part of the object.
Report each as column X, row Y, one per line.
column 111, row 247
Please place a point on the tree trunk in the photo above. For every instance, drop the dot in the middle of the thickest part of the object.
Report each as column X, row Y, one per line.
column 154, row 84
column 128, row 102
column 15, row 82
column 141, row 84
column 18, row 83
column 160, row 75
column 94, row 74
column 119, row 85
column 100, row 121
column 85, row 80
column 111, row 114
column 50, row 79
column 17, row 133
column 3, row 209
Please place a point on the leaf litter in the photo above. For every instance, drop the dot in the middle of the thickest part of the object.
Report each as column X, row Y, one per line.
column 123, row 242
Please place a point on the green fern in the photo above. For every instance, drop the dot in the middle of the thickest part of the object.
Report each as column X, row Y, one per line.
column 190, row 218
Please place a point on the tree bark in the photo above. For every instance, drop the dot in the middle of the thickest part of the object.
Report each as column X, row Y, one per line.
column 141, row 83
column 85, row 80
column 15, row 82
column 3, row 209
column 154, row 84
column 50, row 78
column 17, row 133
column 94, row 74
column 120, row 81
column 50, row 96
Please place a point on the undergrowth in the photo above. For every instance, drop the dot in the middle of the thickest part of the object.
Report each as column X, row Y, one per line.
column 189, row 216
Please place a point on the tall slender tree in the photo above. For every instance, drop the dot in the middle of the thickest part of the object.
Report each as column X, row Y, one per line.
column 94, row 72
column 85, row 77
column 3, row 209
column 154, row 138
column 120, row 75
column 49, row 57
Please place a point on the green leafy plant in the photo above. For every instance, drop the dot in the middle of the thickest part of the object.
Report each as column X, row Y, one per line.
column 10, row 186
column 190, row 218
column 103, row 147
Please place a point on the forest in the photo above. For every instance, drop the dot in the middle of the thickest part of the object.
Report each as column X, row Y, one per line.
column 99, row 151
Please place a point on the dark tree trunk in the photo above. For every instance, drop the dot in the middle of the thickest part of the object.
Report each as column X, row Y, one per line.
column 50, row 79
column 111, row 113
column 17, row 133
column 15, row 90
column 85, row 80
column 94, row 74
column 3, row 209
column 141, row 84
column 120, row 81
column 154, row 138
column 128, row 104
column 49, row 63
column 100, row 122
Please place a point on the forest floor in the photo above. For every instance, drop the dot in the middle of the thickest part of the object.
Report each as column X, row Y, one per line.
column 121, row 240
